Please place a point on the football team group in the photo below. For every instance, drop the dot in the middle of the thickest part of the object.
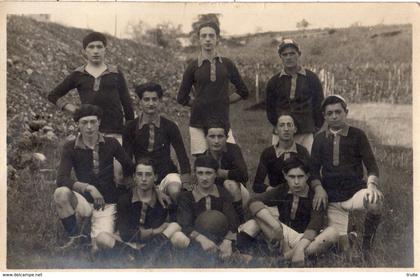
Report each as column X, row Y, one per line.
column 141, row 204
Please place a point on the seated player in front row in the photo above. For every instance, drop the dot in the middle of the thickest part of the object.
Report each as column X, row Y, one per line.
column 151, row 136
column 205, row 197
column 338, row 156
column 94, row 195
column 296, row 230
column 143, row 222
column 233, row 172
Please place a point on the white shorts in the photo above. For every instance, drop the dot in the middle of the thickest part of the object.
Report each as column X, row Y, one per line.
column 169, row 179
column 101, row 220
column 338, row 212
column 198, row 140
column 305, row 140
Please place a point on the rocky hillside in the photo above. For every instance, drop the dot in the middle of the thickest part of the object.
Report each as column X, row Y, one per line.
column 41, row 54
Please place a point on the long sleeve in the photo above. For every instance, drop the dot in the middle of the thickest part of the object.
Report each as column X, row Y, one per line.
column 237, row 81
column 127, row 139
column 270, row 198
column 232, row 216
column 259, row 185
column 317, row 98
column 123, row 158
column 270, row 102
column 368, row 157
column 125, row 97
column 240, row 172
column 127, row 233
column 185, row 214
column 65, row 167
column 315, row 224
column 187, row 81
column 61, row 90
column 315, row 163
column 178, row 145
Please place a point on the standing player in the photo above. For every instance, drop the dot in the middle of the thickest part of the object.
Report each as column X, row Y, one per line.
column 210, row 75
column 297, row 90
column 98, row 84
column 151, row 136
column 338, row 157
column 94, row 194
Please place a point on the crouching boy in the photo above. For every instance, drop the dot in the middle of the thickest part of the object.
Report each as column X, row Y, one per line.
column 206, row 214
column 296, row 232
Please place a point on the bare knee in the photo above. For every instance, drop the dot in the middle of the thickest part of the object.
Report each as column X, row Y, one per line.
column 105, row 240
column 62, row 196
column 250, row 227
column 180, row 240
column 324, row 240
column 172, row 228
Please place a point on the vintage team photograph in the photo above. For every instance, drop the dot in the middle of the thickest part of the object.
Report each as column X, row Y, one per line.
column 209, row 135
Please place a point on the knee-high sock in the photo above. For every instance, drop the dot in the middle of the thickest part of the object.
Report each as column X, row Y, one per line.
column 237, row 205
column 371, row 224
column 245, row 243
column 70, row 225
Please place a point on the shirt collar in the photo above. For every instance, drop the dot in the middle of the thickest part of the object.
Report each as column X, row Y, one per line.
column 152, row 201
column 303, row 194
column 280, row 151
column 201, row 58
column 198, row 194
column 342, row 132
column 301, row 71
column 155, row 121
column 109, row 69
column 79, row 144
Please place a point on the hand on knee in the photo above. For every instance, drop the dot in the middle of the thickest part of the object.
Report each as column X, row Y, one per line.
column 180, row 240
column 234, row 189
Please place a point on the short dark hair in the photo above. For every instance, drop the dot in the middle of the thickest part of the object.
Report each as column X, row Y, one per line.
column 294, row 162
column 210, row 24
column 94, row 36
column 206, row 161
column 334, row 99
column 149, row 86
column 145, row 161
column 214, row 123
column 87, row 110
column 288, row 113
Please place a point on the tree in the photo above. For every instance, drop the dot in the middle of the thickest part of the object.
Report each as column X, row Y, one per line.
column 303, row 24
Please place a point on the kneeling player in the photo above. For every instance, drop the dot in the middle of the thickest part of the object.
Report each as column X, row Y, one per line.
column 205, row 197
column 296, row 230
column 143, row 223
column 339, row 155
column 233, row 173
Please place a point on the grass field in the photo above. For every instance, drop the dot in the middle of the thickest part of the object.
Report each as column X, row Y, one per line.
column 32, row 239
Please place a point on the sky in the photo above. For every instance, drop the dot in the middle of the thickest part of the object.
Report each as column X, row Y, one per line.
column 236, row 18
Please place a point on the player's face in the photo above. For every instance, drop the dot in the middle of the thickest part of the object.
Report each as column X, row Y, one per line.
column 289, row 57
column 296, row 179
column 286, row 128
column 95, row 52
column 205, row 176
column 216, row 139
column 89, row 126
column 144, row 177
column 335, row 116
column 208, row 39
column 150, row 102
